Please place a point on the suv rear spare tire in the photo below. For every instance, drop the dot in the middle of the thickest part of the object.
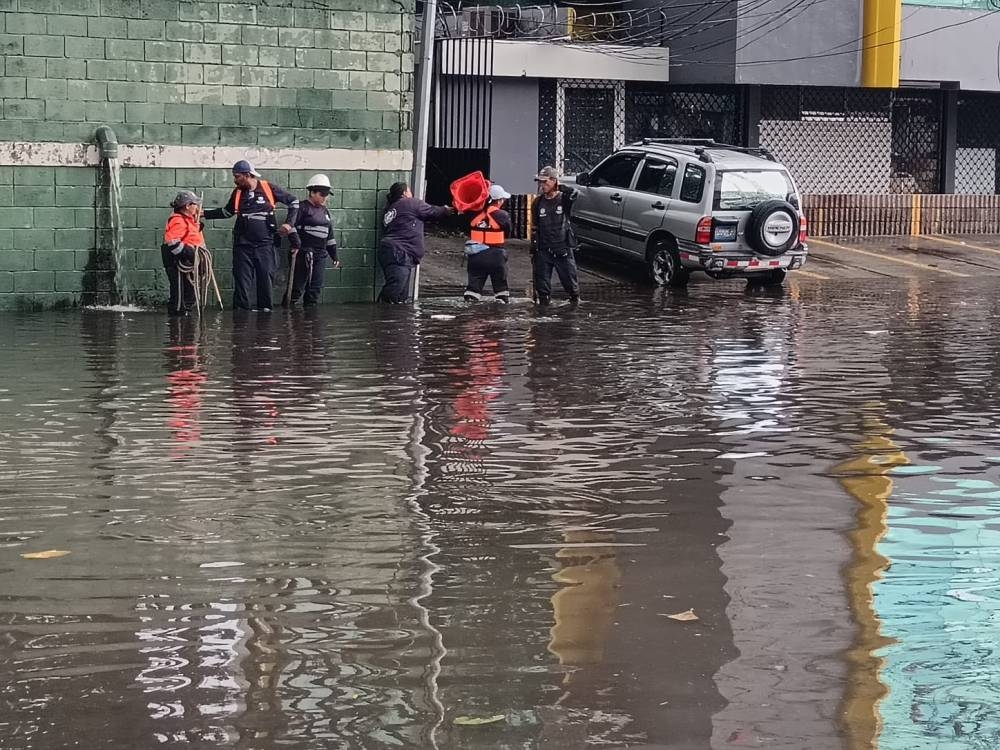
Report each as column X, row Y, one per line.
column 773, row 228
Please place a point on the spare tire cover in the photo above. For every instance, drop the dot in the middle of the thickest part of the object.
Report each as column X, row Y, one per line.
column 773, row 228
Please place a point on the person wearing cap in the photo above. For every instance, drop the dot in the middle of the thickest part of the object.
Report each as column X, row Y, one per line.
column 402, row 243
column 487, row 257
column 552, row 240
column 312, row 242
column 181, row 240
column 252, row 202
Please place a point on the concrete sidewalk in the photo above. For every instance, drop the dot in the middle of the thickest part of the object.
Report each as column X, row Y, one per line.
column 945, row 257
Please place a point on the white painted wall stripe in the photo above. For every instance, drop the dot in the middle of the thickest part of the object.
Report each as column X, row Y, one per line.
column 29, row 154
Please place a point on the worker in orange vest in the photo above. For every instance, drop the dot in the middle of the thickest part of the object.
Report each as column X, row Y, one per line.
column 181, row 240
column 485, row 252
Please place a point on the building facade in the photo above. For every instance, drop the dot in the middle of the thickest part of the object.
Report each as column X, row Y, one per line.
column 187, row 88
column 855, row 96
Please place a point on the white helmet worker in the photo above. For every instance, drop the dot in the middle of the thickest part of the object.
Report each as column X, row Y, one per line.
column 318, row 181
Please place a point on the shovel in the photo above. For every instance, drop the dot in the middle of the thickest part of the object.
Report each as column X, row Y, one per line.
column 291, row 277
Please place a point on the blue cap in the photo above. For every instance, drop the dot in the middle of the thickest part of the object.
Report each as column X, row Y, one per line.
column 245, row 167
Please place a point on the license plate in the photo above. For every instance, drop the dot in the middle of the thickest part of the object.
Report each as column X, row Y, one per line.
column 724, row 234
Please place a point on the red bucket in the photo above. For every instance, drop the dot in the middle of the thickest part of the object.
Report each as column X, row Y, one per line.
column 470, row 193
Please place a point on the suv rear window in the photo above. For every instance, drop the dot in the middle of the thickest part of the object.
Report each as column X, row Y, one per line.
column 741, row 190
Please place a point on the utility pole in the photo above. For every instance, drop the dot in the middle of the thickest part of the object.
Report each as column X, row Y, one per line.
column 423, row 102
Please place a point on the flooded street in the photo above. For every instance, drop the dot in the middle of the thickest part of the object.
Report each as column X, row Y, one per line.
column 360, row 527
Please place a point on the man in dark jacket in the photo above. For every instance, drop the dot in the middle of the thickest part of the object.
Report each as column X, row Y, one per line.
column 312, row 241
column 485, row 252
column 402, row 244
column 252, row 203
column 552, row 240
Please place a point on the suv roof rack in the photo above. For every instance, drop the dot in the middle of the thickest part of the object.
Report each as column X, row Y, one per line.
column 703, row 144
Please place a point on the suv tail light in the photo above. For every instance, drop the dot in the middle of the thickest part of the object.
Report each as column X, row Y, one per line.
column 803, row 230
column 703, row 232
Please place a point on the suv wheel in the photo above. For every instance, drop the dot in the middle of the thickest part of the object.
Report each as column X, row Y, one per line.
column 663, row 265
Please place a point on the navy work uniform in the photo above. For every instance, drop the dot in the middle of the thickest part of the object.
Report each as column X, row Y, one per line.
column 487, row 257
column 553, row 242
column 314, row 240
column 254, row 235
column 402, row 244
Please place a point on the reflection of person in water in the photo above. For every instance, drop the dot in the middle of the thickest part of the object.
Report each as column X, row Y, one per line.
column 481, row 375
column 185, row 384
column 256, row 384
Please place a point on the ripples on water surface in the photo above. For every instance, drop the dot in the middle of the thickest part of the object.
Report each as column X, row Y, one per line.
column 349, row 528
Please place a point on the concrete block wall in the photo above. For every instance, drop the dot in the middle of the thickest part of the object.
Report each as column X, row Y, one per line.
column 188, row 87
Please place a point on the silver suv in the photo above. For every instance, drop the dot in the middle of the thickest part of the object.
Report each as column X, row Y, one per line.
column 684, row 205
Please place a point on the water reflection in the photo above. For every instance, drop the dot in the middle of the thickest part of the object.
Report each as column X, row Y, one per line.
column 349, row 527
column 867, row 478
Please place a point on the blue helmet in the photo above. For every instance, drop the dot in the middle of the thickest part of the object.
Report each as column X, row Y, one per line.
column 245, row 167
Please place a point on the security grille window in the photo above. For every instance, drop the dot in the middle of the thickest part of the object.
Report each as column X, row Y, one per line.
column 657, row 177
column 582, row 121
column 589, row 122
column 693, row 184
column 817, row 133
column 616, row 172
column 978, row 143
column 653, row 111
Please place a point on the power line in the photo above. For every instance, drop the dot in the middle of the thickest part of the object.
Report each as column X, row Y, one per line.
column 652, row 32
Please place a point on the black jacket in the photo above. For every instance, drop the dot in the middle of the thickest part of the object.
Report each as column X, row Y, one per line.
column 551, row 229
column 403, row 225
column 313, row 230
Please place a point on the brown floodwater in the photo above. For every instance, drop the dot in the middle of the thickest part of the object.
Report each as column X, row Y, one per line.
column 359, row 527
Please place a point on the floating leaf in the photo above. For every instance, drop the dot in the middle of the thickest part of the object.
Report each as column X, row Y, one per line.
column 688, row 616
column 45, row 555
column 476, row 721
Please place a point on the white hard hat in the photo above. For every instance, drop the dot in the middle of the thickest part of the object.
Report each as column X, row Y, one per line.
column 318, row 180
column 498, row 193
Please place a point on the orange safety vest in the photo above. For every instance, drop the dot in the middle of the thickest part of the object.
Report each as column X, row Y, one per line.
column 485, row 228
column 265, row 188
column 184, row 228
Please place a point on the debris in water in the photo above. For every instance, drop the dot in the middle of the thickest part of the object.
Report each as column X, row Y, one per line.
column 688, row 616
column 46, row 554
column 476, row 721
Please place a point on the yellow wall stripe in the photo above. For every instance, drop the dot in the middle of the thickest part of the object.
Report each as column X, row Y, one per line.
column 880, row 45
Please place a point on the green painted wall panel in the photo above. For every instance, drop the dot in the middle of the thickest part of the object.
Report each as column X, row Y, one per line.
column 162, row 72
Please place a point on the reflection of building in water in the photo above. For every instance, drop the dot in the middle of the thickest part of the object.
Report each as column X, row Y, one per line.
column 784, row 552
column 585, row 605
column 866, row 479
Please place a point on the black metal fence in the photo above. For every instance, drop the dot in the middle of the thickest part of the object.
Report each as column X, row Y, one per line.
column 580, row 121
column 835, row 140
column 978, row 144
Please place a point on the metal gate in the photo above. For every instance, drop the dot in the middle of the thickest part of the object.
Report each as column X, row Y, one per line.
column 462, row 112
column 590, row 123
